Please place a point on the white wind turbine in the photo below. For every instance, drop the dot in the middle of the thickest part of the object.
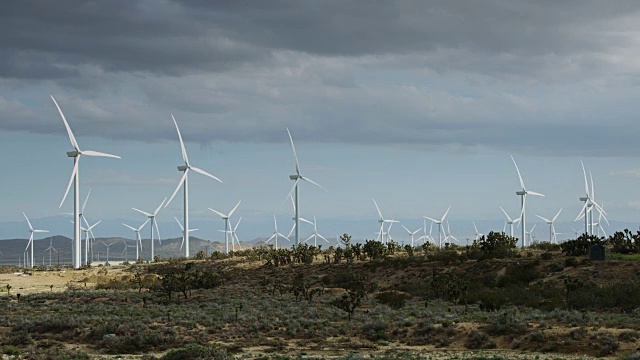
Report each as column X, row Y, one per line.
column 552, row 229
column 75, row 179
column 476, row 234
column 510, row 221
column 411, row 234
column 50, row 249
column 108, row 246
column 88, row 230
column 315, row 234
column 182, row 229
column 297, row 177
column 448, row 234
column 185, row 181
column 589, row 203
column 31, row 232
column 138, row 238
column 427, row 237
column 233, row 234
column 276, row 234
column 439, row 223
column 523, row 196
column 382, row 221
column 226, row 217
column 154, row 223
column 530, row 233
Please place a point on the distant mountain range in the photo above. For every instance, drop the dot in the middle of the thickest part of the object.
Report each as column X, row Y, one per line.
column 13, row 249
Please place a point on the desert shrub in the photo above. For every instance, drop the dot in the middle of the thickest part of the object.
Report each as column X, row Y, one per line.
column 507, row 322
column 581, row 245
column 521, row 274
column 571, row 262
column 140, row 341
column 495, row 245
column 625, row 242
column 628, row 335
column 374, row 250
column 545, row 246
column 633, row 356
column 537, row 336
column 479, row 340
column 445, row 255
column 10, row 350
column 606, row 345
column 393, row 299
column 194, row 351
column 375, row 331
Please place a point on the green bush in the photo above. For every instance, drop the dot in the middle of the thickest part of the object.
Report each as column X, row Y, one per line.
column 581, row 245
column 393, row 299
column 194, row 351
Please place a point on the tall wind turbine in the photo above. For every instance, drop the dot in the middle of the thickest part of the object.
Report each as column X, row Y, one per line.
column 297, row 177
column 589, row 204
column 138, row 238
column 411, row 234
column 185, row 180
column 382, row 221
column 523, row 196
column 75, row 179
column 88, row 230
column 233, row 234
column 276, row 234
column 439, row 223
column 552, row 229
column 31, row 232
column 226, row 217
column 510, row 221
column 154, row 223
column 477, row 234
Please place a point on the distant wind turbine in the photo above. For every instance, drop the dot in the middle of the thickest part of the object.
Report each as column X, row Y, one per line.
column 226, row 217
column 154, row 223
column 439, row 223
column 523, row 198
column 552, row 229
column 31, row 232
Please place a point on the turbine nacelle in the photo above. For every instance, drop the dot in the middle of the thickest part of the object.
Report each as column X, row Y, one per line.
column 294, row 177
column 183, row 168
column 74, row 153
column 520, row 193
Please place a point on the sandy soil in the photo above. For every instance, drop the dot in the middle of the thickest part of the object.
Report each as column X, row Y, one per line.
column 44, row 281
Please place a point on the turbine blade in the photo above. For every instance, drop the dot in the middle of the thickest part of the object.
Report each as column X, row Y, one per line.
column 238, row 223
column 130, row 227
column 200, row 171
column 377, row 208
column 586, row 184
column 295, row 183
column 287, row 238
column 178, row 187
column 179, row 224
column 558, row 214
column 72, row 138
column 307, row 221
column 184, row 151
column 234, row 208
column 409, row 231
column 142, row 212
column 432, row 220
column 141, row 226
column 534, row 193
column 28, row 222
column 295, row 155
column 160, row 206
column 219, row 213
column 292, row 228
column 100, row 154
column 518, row 170
column 84, row 205
column 544, row 219
column 446, row 213
column 157, row 231
column 73, row 176
column 505, row 214
column 313, row 182
column 581, row 213
column 593, row 190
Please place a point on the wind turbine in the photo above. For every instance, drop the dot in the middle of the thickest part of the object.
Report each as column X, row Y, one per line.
column 530, row 233
column 125, row 252
column 552, row 229
column 88, row 230
column 411, row 234
column 226, row 217
column 448, row 234
column 589, row 203
column 276, row 234
column 182, row 229
column 316, row 234
column 382, row 221
column 510, row 221
column 138, row 238
column 75, row 179
column 523, row 196
column 108, row 246
column 50, row 249
column 154, row 223
column 233, row 234
column 31, row 232
column 185, row 180
column 476, row 234
column 297, row 177
column 439, row 223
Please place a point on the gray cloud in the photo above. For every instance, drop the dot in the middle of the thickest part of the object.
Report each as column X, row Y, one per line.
column 528, row 76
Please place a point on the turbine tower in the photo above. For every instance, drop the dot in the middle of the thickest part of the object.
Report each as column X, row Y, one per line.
column 233, row 234
column 589, row 204
column 154, row 223
column 510, row 221
column 88, row 230
column 439, row 223
column 411, row 234
column 315, row 234
column 75, row 179
column 297, row 177
column 523, row 200
column 382, row 221
column 31, row 232
column 185, row 180
column 182, row 229
column 552, row 229
column 226, row 217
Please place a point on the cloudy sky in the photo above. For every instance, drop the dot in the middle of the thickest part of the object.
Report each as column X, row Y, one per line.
column 415, row 103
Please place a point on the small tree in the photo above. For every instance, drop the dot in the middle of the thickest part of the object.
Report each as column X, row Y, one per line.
column 357, row 286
